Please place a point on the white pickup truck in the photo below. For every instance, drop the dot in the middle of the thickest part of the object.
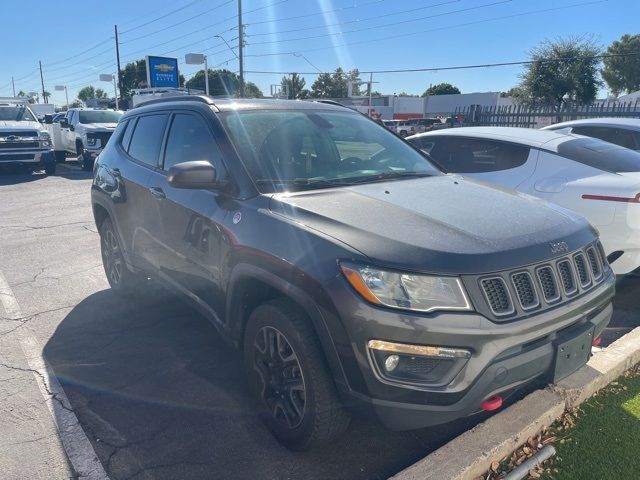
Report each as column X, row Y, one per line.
column 83, row 132
column 24, row 143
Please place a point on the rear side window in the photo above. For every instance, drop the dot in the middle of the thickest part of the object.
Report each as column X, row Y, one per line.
column 618, row 136
column 601, row 155
column 126, row 137
column 147, row 139
column 474, row 155
column 190, row 139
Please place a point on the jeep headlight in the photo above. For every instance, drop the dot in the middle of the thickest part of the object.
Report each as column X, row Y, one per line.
column 407, row 291
column 45, row 139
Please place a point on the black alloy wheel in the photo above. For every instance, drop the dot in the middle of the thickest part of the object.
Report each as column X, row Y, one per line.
column 112, row 258
column 281, row 382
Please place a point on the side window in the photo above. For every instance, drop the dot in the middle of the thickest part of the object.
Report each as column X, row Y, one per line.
column 618, row 136
column 120, row 129
column 423, row 143
column 126, row 137
column 190, row 139
column 476, row 155
column 147, row 138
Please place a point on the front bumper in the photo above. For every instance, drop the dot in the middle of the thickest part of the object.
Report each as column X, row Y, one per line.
column 92, row 152
column 505, row 356
column 34, row 159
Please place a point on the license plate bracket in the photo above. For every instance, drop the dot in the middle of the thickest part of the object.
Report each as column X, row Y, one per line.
column 572, row 353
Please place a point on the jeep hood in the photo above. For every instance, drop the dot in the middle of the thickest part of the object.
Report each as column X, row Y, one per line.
column 440, row 224
column 14, row 125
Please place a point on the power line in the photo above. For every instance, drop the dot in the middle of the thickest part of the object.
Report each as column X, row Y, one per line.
column 315, row 14
column 161, row 17
column 79, row 54
column 358, row 20
column 390, row 37
column 387, row 25
column 466, row 67
column 162, row 30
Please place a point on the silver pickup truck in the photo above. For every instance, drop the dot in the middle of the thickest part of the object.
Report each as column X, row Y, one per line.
column 24, row 142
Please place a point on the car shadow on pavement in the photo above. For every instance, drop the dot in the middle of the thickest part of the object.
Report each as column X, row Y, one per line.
column 160, row 395
column 13, row 176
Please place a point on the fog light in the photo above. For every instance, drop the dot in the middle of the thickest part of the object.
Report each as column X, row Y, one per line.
column 391, row 362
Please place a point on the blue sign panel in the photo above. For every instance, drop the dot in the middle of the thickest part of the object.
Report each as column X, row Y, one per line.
column 162, row 72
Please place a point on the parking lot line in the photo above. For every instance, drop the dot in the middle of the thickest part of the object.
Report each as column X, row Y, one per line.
column 77, row 446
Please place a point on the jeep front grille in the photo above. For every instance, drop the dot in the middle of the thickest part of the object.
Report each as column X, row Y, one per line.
column 541, row 286
column 497, row 294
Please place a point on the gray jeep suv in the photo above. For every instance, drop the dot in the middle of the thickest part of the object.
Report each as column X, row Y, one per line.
column 350, row 271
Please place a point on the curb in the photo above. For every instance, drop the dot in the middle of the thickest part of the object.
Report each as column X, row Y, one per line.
column 471, row 454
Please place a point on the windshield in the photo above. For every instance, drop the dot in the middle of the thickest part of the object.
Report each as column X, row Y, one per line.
column 99, row 116
column 18, row 113
column 287, row 150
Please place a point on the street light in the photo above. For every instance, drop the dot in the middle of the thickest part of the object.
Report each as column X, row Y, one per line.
column 66, row 94
column 199, row 59
column 110, row 77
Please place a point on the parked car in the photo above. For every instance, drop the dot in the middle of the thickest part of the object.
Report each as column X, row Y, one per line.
column 24, row 143
column 403, row 128
column 51, row 123
column 425, row 124
column 621, row 131
column 343, row 264
column 83, row 132
column 597, row 179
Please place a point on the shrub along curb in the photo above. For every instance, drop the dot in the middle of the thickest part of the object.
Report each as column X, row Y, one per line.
column 471, row 454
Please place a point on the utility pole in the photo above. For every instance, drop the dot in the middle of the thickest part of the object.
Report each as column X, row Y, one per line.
column 115, row 27
column 44, row 97
column 13, row 84
column 240, row 47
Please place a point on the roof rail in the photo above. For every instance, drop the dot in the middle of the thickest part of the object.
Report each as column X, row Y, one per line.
column 179, row 98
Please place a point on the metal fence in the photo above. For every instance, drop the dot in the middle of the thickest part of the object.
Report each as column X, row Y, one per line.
column 538, row 117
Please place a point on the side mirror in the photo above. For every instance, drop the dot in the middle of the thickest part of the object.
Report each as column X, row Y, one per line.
column 48, row 119
column 198, row 175
column 64, row 123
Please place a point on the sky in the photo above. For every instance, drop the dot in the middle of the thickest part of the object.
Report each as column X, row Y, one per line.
column 74, row 39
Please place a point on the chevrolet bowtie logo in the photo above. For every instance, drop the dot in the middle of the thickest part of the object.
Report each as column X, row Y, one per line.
column 163, row 67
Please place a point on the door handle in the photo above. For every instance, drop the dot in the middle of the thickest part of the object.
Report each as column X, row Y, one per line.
column 157, row 192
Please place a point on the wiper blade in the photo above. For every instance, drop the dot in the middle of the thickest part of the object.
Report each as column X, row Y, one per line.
column 301, row 182
column 386, row 176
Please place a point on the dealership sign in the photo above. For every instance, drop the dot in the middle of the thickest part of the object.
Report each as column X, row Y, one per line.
column 162, row 72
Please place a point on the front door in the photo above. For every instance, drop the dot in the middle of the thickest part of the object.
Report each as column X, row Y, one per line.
column 190, row 220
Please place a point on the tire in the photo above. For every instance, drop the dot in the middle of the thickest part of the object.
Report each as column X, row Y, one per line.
column 122, row 280
column 403, row 133
column 50, row 169
column 86, row 163
column 291, row 382
column 60, row 156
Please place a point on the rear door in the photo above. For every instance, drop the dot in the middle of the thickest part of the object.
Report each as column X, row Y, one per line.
column 190, row 220
column 493, row 161
column 140, row 147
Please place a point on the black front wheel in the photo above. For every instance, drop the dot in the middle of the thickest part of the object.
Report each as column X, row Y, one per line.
column 289, row 377
column 50, row 169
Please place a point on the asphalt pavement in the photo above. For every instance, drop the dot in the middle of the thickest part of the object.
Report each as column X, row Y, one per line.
column 156, row 391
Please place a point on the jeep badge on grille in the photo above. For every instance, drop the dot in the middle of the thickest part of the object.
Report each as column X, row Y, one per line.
column 559, row 247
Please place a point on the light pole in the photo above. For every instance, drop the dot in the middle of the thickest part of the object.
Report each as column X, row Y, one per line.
column 66, row 94
column 199, row 59
column 110, row 77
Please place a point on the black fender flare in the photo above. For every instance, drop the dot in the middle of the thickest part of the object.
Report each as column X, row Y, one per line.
column 245, row 271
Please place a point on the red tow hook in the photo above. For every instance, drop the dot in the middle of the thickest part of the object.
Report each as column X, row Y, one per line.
column 596, row 341
column 491, row 403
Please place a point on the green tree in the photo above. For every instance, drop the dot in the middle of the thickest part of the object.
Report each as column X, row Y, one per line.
column 251, row 90
column 622, row 73
column 563, row 71
column 86, row 93
column 101, row 93
column 294, row 85
column 334, row 85
column 441, row 89
column 221, row 82
column 354, row 77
